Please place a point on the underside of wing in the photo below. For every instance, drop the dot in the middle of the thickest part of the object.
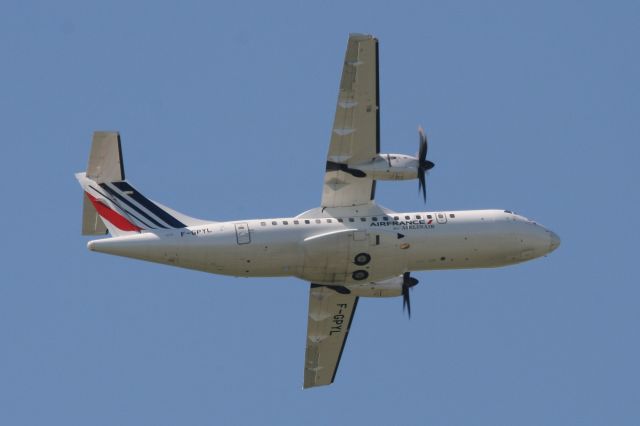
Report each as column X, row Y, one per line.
column 330, row 316
column 355, row 137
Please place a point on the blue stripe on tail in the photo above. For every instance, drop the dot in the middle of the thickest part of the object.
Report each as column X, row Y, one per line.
column 149, row 205
column 133, row 206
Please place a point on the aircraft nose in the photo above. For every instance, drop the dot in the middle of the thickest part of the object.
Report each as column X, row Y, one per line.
column 555, row 241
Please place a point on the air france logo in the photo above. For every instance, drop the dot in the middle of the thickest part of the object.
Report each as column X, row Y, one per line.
column 405, row 224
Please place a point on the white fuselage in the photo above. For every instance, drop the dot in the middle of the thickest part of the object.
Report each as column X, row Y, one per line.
column 318, row 247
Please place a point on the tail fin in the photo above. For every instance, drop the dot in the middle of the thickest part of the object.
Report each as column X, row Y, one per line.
column 112, row 204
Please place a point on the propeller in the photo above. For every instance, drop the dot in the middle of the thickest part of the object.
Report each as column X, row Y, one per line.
column 407, row 282
column 424, row 165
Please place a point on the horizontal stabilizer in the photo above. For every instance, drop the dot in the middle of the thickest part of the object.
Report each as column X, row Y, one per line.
column 105, row 160
column 92, row 224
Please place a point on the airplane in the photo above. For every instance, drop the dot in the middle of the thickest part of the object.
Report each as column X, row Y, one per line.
column 348, row 247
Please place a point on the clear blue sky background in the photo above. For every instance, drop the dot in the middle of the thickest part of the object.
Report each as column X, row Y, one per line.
column 225, row 111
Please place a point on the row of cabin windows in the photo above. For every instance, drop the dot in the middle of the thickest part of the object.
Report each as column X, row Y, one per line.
column 362, row 219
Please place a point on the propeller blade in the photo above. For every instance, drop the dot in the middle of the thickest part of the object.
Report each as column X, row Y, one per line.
column 407, row 282
column 422, row 184
column 406, row 300
column 423, row 147
column 423, row 163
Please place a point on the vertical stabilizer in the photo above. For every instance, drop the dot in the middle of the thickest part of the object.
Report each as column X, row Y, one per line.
column 111, row 204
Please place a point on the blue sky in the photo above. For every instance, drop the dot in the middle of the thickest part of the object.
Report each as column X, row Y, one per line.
column 225, row 112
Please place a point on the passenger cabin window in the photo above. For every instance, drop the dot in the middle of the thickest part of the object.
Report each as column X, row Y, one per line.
column 307, row 221
column 429, row 216
column 318, row 221
column 340, row 220
column 418, row 216
column 363, row 219
column 263, row 223
column 375, row 219
column 274, row 223
column 284, row 222
column 329, row 220
column 296, row 222
column 396, row 218
column 452, row 216
column 385, row 218
column 351, row 219
column 407, row 217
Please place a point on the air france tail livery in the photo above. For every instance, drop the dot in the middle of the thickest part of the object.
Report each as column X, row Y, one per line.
column 348, row 247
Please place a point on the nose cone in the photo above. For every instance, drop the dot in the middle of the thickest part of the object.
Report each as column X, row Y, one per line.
column 555, row 241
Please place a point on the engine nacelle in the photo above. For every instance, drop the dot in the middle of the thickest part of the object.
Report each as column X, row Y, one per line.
column 390, row 167
column 382, row 167
column 386, row 288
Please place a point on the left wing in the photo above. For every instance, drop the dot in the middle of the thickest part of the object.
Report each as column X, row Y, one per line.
column 355, row 137
column 330, row 316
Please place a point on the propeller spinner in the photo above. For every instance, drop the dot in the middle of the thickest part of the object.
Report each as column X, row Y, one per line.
column 424, row 165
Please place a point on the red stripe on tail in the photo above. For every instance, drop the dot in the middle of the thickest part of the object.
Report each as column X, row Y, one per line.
column 114, row 217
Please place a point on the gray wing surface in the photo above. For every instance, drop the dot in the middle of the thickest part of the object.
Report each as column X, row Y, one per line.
column 330, row 316
column 355, row 136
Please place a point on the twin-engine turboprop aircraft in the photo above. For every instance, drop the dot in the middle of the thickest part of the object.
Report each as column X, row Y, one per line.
column 347, row 248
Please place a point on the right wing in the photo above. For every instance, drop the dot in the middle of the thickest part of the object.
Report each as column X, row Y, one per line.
column 330, row 316
column 355, row 136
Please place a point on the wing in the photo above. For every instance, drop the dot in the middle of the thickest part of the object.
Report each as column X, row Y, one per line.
column 355, row 137
column 330, row 316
